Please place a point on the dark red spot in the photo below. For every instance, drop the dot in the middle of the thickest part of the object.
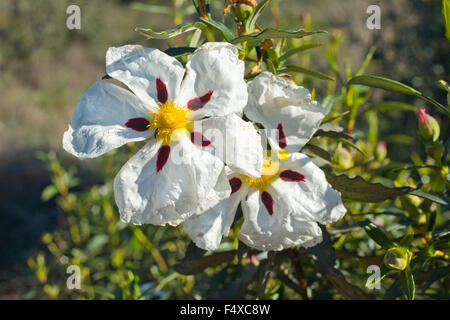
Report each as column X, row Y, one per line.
column 291, row 176
column 281, row 137
column 235, row 184
column 199, row 102
column 138, row 124
column 267, row 200
column 163, row 156
column 161, row 91
column 199, row 140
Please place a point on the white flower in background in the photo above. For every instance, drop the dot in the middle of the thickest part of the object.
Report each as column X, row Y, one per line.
column 175, row 175
column 283, row 207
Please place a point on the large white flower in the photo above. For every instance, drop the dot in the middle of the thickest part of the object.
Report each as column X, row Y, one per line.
column 283, row 207
column 176, row 174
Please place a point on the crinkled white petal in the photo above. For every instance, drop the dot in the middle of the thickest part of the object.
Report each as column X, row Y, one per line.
column 207, row 229
column 215, row 66
column 273, row 100
column 191, row 182
column 312, row 199
column 234, row 141
column 98, row 122
column 139, row 67
column 284, row 229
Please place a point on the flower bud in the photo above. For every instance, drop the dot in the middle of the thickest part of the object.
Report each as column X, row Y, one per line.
column 241, row 11
column 428, row 126
column 397, row 258
column 380, row 151
column 344, row 159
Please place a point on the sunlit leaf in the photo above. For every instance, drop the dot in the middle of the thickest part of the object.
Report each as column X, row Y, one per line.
column 376, row 234
column 394, row 86
column 298, row 69
column 170, row 33
column 446, row 14
column 299, row 49
column 271, row 33
column 228, row 35
column 251, row 21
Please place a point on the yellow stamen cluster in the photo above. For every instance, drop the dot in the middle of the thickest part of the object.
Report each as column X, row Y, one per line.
column 270, row 172
column 168, row 118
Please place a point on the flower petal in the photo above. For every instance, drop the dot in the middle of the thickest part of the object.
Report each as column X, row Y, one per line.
column 140, row 68
column 311, row 196
column 279, row 104
column 281, row 230
column 214, row 84
column 207, row 229
column 98, row 122
column 190, row 182
column 235, row 141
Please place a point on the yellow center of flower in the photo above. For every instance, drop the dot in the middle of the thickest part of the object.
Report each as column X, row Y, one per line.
column 270, row 172
column 168, row 118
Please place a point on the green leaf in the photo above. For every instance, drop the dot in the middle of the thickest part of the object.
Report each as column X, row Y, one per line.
column 392, row 105
column 383, row 273
column 407, row 283
column 377, row 235
column 394, row 86
column 359, row 189
column 304, row 47
column 170, row 33
column 228, row 35
column 180, row 51
column 271, row 33
column 332, row 134
column 49, row 192
column 251, row 21
column 366, row 62
column 316, row 74
column 446, row 14
column 315, row 150
column 328, row 102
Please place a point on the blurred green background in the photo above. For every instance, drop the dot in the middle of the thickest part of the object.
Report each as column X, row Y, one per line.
column 44, row 68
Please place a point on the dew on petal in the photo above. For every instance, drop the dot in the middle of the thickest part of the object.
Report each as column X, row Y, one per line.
column 281, row 137
column 267, row 200
column 235, row 184
column 163, row 156
column 199, row 140
column 199, row 102
column 291, row 176
column 138, row 124
column 161, row 91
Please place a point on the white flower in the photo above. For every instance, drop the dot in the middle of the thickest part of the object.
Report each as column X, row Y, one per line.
column 283, row 207
column 176, row 174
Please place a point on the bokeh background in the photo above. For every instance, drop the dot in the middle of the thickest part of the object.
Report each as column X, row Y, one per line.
column 44, row 68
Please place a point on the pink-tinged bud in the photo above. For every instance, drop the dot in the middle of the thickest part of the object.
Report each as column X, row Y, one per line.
column 428, row 126
column 381, row 151
column 344, row 159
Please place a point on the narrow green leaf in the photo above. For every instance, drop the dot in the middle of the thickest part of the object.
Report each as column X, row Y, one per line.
column 271, row 33
column 366, row 62
column 228, row 35
column 392, row 105
column 170, row 33
column 332, row 134
column 407, row 283
column 251, row 21
column 49, row 192
column 394, row 86
column 302, row 48
column 318, row 151
column 432, row 197
column 446, row 14
column 377, row 235
column 312, row 73
column 179, row 51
